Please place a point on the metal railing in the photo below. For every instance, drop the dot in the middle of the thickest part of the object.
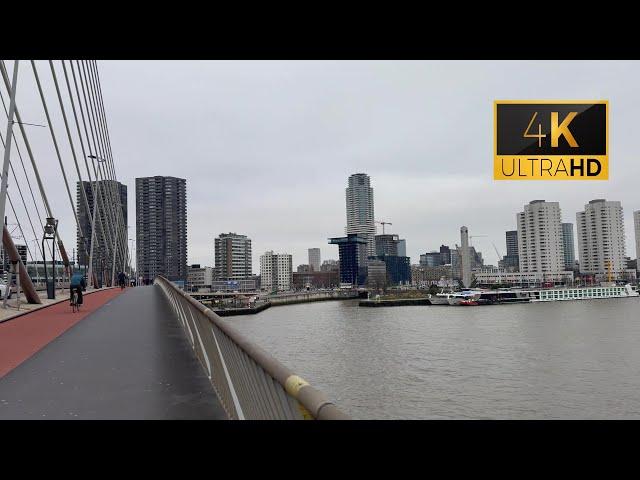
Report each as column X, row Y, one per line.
column 250, row 383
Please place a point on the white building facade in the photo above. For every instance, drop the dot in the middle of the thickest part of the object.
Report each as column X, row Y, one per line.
column 490, row 276
column 601, row 242
column 360, row 219
column 540, row 239
column 276, row 271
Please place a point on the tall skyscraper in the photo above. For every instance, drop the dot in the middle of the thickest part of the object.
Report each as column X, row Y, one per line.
column 314, row 259
column 105, row 187
column 510, row 261
column 161, row 228
column 232, row 257
column 636, row 224
column 465, row 257
column 511, row 238
column 540, row 238
column 360, row 219
column 568, row 246
column 601, row 242
column 276, row 271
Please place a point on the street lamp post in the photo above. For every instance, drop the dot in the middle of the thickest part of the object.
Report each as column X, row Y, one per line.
column 50, row 231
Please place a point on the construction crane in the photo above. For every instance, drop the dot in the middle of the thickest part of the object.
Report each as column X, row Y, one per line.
column 383, row 224
column 497, row 252
column 473, row 236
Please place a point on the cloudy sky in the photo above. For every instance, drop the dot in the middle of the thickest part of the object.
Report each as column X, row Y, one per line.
column 266, row 146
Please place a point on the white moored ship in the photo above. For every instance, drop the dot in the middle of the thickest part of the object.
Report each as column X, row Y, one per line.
column 583, row 293
column 454, row 298
column 440, row 298
column 466, row 295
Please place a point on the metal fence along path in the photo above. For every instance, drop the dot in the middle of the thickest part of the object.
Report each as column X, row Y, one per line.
column 250, row 383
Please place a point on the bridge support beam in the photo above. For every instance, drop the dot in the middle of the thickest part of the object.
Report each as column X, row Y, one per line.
column 25, row 280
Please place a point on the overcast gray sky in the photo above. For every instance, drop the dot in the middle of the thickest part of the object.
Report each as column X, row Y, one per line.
column 266, row 146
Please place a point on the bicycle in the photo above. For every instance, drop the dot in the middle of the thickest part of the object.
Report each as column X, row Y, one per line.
column 75, row 306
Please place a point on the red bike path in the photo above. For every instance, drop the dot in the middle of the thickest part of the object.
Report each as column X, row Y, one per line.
column 23, row 336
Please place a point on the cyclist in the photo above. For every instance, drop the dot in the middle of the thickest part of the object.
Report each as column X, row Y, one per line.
column 121, row 280
column 78, row 284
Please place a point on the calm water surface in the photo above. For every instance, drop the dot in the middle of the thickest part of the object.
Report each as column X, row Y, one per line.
column 562, row 360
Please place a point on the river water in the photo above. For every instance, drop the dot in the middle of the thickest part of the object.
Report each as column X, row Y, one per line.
column 556, row 360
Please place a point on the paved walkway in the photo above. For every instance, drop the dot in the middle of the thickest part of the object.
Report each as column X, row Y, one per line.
column 128, row 359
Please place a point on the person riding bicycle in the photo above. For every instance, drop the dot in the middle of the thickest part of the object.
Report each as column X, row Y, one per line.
column 122, row 279
column 78, row 284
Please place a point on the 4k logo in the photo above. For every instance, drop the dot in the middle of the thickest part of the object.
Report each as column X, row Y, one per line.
column 551, row 140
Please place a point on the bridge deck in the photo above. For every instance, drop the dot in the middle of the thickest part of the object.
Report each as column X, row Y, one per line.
column 129, row 359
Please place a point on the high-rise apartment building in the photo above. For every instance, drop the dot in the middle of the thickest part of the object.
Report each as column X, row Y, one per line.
column 314, row 259
column 161, row 228
column 276, row 271
column 360, row 219
column 107, row 189
column 233, row 259
column 511, row 239
column 510, row 261
column 568, row 246
column 601, row 243
column 540, row 238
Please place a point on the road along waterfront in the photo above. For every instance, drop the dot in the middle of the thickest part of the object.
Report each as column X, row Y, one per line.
column 564, row 360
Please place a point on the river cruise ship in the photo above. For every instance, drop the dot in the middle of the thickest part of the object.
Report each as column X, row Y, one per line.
column 584, row 293
column 516, row 295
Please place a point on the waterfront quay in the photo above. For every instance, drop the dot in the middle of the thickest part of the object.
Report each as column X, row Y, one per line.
column 394, row 302
column 246, row 303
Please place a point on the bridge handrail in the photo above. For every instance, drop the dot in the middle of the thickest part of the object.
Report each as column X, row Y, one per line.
column 249, row 382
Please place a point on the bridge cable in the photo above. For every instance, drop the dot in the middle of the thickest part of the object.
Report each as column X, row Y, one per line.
column 100, row 195
column 28, row 146
column 99, row 86
column 75, row 161
column 93, row 185
column 97, row 92
column 55, row 144
column 103, row 250
column 23, row 203
column 102, row 166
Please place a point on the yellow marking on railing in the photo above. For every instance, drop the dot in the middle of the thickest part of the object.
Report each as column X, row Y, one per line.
column 292, row 385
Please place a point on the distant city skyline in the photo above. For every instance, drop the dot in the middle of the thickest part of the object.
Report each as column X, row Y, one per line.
column 266, row 146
